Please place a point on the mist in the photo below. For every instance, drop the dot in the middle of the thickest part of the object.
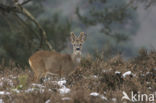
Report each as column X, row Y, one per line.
column 146, row 35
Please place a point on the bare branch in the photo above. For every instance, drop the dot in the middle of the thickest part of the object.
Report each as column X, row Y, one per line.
column 19, row 9
column 25, row 2
column 8, row 9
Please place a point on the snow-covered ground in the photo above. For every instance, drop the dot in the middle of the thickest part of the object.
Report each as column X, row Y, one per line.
column 33, row 87
column 61, row 83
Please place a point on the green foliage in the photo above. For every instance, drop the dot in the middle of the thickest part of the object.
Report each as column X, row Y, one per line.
column 22, row 81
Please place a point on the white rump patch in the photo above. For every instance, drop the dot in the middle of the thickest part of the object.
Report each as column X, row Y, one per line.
column 30, row 63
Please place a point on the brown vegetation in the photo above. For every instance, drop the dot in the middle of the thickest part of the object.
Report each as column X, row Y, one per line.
column 103, row 77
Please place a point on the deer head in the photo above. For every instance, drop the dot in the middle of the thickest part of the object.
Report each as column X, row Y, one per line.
column 77, row 43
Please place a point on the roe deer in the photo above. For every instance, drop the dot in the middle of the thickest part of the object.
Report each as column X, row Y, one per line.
column 51, row 62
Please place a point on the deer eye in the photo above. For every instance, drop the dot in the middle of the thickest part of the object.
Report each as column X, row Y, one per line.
column 80, row 44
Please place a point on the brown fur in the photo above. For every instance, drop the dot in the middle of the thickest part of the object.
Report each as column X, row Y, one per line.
column 51, row 62
column 43, row 62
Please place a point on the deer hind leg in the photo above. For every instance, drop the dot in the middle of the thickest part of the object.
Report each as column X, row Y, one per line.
column 34, row 73
column 41, row 77
column 60, row 72
column 52, row 75
column 49, row 73
column 35, row 78
column 42, row 72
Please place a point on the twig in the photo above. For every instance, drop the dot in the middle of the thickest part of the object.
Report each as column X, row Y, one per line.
column 25, row 2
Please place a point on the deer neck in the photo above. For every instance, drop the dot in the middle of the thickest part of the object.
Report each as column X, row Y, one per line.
column 76, row 56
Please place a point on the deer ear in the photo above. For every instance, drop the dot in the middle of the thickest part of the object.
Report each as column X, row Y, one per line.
column 72, row 37
column 82, row 36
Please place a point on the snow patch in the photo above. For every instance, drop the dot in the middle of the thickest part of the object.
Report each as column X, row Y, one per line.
column 114, row 99
column 38, row 85
column 4, row 93
column 103, row 97
column 66, row 98
column 127, row 73
column 29, row 90
column 117, row 72
column 61, row 82
column 95, row 76
column 94, row 94
column 42, row 90
column 13, row 77
column 147, row 73
column 64, row 90
column 1, row 101
column 48, row 101
column 149, row 87
column 97, row 94
column 9, row 81
column 16, row 90
column 148, row 82
column 107, row 70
